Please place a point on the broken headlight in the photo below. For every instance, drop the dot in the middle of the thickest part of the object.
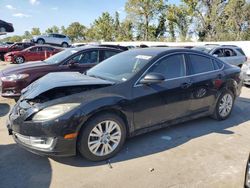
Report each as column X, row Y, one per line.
column 53, row 112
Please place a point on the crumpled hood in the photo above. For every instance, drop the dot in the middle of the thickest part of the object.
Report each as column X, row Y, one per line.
column 62, row 79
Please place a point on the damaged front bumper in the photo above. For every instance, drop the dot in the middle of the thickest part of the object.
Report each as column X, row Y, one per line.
column 43, row 138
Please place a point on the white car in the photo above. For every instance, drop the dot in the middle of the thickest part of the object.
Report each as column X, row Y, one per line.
column 245, row 69
column 53, row 38
column 231, row 54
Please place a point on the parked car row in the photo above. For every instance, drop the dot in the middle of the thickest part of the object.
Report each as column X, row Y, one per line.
column 14, row 79
column 93, row 111
column 33, row 53
column 14, row 47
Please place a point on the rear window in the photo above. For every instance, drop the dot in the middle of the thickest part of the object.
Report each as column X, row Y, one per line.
column 201, row 64
column 241, row 51
column 217, row 65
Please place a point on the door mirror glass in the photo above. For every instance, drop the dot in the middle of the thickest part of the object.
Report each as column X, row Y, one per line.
column 152, row 78
column 73, row 63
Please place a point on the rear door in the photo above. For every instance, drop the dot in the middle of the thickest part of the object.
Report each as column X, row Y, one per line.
column 206, row 78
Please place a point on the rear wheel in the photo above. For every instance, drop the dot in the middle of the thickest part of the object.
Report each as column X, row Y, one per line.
column 65, row 45
column 19, row 60
column 224, row 105
column 102, row 137
column 40, row 41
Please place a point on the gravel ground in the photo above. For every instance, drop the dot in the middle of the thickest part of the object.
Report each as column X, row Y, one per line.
column 199, row 153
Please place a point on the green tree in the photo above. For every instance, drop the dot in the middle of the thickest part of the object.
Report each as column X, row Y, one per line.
column 63, row 30
column 53, row 29
column 76, row 31
column 180, row 18
column 35, row 31
column 103, row 27
column 126, row 31
column 143, row 12
column 27, row 35
column 117, row 27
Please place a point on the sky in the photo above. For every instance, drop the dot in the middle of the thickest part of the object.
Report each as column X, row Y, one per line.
column 26, row 14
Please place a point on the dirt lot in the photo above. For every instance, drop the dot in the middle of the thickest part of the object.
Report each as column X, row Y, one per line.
column 199, row 153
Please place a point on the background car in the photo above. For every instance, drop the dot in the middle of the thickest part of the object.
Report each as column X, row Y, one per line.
column 34, row 53
column 128, row 94
column 14, row 79
column 18, row 46
column 231, row 54
column 53, row 38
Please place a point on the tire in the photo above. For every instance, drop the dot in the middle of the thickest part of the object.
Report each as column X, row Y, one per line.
column 92, row 127
column 226, row 97
column 65, row 45
column 40, row 41
column 19, row 60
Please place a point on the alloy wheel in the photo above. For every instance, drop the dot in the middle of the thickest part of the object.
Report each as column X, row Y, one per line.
column 19, row 60
column 225, row 105
column 104, row 138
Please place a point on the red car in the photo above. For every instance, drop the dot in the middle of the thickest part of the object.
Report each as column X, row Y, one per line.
column 14, row 47
column 33, row 53
column 16, row 78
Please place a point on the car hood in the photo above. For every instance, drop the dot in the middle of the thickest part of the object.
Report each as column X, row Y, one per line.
column 60, row 80
column 4, row 49
column 13, row 53
column 23, row 67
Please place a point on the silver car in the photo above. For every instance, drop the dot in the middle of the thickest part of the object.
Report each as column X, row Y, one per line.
column 53, row 38
column 231, row 54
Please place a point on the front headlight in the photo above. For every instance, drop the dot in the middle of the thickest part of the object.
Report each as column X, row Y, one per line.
column 14, row 77
column 53, row 112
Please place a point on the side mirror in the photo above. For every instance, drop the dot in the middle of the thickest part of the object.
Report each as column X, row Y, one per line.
column 73, row 63
column 152, row 78
column 215, row 55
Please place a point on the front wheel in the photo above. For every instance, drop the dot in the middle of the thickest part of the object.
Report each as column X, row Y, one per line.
column 19, row 60
column 102, row 137
column 224, row 106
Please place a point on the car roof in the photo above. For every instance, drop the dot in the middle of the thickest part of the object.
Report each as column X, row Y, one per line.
column 155, row 51
column 86, row 47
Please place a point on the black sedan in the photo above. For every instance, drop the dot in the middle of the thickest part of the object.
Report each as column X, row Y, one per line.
column 128, row 94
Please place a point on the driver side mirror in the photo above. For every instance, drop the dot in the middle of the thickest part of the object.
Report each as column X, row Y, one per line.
column 152, row 78
column 73, row 63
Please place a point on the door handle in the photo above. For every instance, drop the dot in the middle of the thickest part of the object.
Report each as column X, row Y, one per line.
column 186, row 85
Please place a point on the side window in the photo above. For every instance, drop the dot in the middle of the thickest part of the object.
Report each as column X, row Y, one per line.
column 219, row 53
column 48, row 49
column 39, row 49
column 229, row 52
column 171, row 66
column 217, row 65
column 107, row 54
column 35, row 49
column 87, row 57
column 200, row 64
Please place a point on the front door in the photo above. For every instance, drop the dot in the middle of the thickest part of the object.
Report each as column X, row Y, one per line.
column 82, row 61
column 169, row 100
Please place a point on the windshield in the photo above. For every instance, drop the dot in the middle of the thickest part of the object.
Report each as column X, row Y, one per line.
column 57, row 58
column 121, row 67
column 202, row 49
